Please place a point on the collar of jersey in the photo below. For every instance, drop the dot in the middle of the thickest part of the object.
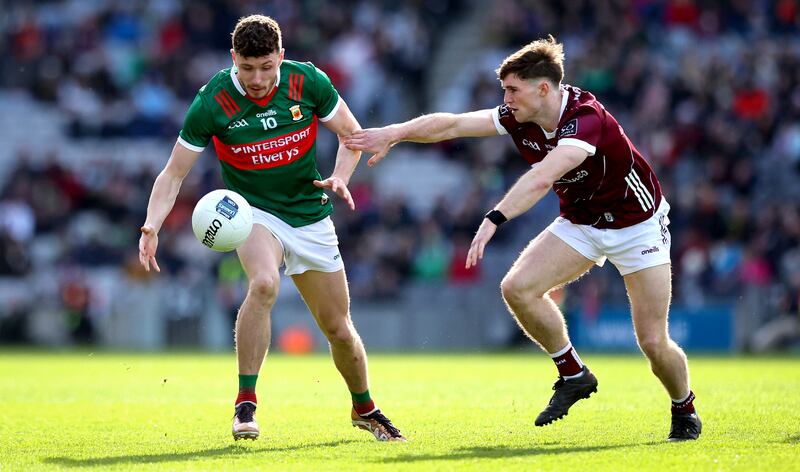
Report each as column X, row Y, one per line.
column 263, row 101
column 564, row 97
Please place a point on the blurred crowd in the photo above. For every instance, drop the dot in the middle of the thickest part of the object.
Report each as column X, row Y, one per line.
column 709, row 91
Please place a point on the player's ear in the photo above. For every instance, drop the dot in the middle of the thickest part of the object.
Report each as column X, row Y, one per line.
column 233, row 56
column 280, row 56
column 543, row 88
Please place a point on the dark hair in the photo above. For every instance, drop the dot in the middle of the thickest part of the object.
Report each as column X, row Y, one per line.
column 541, row 58
column 256, row 36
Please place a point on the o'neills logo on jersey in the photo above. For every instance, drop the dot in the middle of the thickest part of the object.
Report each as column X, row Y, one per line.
column 273, row 152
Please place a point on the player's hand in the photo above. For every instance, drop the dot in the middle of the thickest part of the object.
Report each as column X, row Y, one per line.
column 375, row 140
column 148, row 243
column 482, row 237
column 337, row 185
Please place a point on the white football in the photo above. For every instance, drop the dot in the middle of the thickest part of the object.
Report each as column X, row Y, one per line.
column 222, row 220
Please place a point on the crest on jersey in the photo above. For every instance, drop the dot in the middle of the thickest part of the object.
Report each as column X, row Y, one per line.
column 570, row 128
column 297, row 115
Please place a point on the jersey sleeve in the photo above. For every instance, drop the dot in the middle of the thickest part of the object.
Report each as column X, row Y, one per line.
column 197, row 126
column 326, row 97
column 583, row 131
column 500, row 116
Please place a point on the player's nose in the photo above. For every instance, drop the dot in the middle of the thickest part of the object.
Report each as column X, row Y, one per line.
column 258, row 78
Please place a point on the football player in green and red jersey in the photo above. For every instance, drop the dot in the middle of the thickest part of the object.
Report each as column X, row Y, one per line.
column 261, row 115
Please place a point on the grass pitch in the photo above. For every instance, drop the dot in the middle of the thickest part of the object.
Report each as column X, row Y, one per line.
column 103, row 411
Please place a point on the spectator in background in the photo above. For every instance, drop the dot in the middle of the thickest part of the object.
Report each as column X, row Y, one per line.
column 701, row 66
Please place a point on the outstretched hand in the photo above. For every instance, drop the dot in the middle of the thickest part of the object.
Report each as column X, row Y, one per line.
column 479, row 242
column 339, row 187
column 375, row 140
column 148, row 243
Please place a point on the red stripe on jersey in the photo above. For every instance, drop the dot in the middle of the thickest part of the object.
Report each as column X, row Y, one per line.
column 223, row 105
column 292, row 80
column 300, row 88
column 262, row 102
column 273, row 152
column 230, row 101
column 228, row 104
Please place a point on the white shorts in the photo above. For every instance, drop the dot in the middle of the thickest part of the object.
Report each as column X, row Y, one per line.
column 310, row 247
column 630, row 249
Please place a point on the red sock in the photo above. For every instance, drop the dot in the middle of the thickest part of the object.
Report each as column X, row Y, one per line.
column 364, row 408
column 685, row 406
column 246, row 395
column 568, row 362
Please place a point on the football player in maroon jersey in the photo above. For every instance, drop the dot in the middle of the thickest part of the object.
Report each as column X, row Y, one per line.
column 611, row 208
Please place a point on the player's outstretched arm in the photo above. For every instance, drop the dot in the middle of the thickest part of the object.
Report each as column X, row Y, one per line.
column 529, row 189
column 162, row 198
column 430, row 128
column 343, row 124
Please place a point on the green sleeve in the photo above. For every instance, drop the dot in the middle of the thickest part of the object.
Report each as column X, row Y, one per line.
column 197, row 124
column 326, row 97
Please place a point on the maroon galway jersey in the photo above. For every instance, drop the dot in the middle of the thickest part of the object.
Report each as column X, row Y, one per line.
column 614, row 187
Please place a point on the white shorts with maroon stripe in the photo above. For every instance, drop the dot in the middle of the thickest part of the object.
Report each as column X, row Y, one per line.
column 630, row 249
column 310, row 247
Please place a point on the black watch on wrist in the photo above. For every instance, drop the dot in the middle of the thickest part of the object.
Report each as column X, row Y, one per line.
column 496, row 216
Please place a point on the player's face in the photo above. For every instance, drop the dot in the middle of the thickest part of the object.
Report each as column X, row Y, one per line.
column 523, row 97
column 258, row 74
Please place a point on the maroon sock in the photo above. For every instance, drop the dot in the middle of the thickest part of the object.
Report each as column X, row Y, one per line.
column 568, row 362
column 246, row 394
column 363, row 408
column 685, row 406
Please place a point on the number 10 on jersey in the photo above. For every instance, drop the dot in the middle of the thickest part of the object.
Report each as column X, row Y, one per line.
column 269, row 123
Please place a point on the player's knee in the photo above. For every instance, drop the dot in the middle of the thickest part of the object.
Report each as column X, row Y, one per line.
column 264, row 289
column 653, row 345
column 340, row 334
column 515, row 289
column 510, row 288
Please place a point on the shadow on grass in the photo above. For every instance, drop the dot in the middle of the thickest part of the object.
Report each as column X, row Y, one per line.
column 230, row 450
column 502, row 452
column 793, row 439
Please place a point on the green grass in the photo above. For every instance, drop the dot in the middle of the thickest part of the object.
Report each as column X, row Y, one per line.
column 462, row 412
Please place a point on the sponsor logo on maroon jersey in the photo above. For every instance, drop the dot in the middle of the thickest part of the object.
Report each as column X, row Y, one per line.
column 580, row 175
column 531, row 144
column 570, row 128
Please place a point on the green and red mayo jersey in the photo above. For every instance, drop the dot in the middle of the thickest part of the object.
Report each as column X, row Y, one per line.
column 267, row 147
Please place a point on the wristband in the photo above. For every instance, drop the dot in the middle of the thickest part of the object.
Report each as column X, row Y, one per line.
column 496, row 216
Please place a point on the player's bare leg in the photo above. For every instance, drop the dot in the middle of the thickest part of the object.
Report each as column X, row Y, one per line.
column 650, row 291
column 261, row 256
column 328, row 299
column 547, row 263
